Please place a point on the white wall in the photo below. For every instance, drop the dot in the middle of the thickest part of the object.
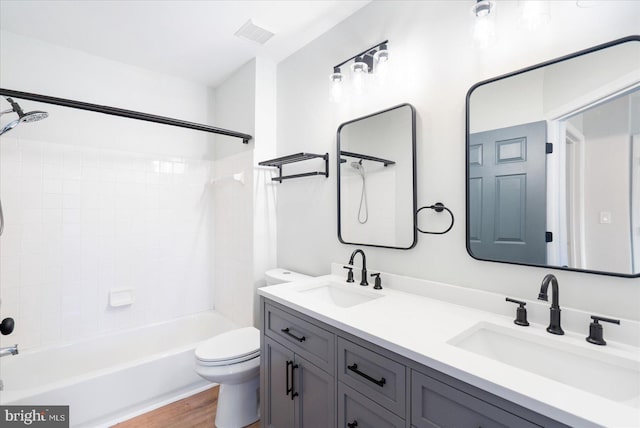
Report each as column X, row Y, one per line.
column 94, row 202
column 607, row 157
column 434, row 63
column 234, row 109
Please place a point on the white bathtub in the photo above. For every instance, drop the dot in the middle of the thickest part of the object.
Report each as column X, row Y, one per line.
column 110, row 378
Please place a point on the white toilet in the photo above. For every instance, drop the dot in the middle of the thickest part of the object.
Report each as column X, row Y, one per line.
column 232, row 359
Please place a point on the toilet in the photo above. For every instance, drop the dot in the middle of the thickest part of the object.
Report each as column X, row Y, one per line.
column 232, row 359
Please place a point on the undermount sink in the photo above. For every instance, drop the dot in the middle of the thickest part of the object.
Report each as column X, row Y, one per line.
column 338, row 295
column 592, row 370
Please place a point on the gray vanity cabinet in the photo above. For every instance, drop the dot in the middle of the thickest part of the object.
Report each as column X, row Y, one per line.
column 298, row 392
column 372, row 374
column 435, row 404
column 356, row 410
column 367, row 385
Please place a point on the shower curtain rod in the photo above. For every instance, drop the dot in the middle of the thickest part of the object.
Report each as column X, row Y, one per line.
column 131, row 114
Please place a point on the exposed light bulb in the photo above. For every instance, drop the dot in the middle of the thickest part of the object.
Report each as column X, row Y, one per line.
column 483, row 7
column 359, row 66
column 382, row 55
column 483, row 32
column 484, row 25
column 336, row 76
column 535, row 13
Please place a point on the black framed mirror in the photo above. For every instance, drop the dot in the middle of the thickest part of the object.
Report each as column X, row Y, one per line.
column 553, row 163
column 377, row 179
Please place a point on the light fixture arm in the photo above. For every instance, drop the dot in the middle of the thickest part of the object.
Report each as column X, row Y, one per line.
column 364, row 52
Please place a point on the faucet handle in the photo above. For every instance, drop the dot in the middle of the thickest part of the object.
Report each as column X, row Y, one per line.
column 349, row 273
column 595, row 330
column 521, row 312
column 378, row 281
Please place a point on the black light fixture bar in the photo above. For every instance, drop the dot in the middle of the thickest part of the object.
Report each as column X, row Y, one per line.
column 131, row 114
column 361, row 53
column 366, row 157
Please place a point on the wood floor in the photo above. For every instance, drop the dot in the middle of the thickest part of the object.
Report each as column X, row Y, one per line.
column 197, row 411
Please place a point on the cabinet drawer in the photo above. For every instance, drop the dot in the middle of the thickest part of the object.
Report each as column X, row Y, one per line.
column 435, row 404
column 311, row 342
column 354, row 407
column 376, row 376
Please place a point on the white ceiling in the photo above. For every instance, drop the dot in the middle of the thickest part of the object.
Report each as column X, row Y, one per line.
column 190, row 39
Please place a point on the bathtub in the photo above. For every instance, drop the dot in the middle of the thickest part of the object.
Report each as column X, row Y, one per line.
column 108, row 379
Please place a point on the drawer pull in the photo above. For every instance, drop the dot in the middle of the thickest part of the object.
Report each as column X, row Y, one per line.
column 290, row 379
column 288, row 333
column 289, row 388
column 353, row 424
column 293, row 367
column 354, row 368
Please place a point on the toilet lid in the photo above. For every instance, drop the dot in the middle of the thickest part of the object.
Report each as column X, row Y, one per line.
column 232, row 346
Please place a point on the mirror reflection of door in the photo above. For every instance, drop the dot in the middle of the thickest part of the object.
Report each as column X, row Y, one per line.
column 507, row 193
column 601, row 205
column 590, row 102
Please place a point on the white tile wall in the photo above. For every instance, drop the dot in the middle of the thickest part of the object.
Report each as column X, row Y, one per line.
column 80, row 221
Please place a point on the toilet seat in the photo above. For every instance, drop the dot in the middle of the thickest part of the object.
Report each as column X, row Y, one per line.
column 228, row 348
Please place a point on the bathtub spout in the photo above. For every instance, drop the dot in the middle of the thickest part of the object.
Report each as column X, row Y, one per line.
column 9, row 350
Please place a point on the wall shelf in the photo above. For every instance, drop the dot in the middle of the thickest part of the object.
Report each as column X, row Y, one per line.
column 298, row 157
column 365, row 157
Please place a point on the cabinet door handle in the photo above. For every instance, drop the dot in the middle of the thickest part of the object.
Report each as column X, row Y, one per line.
column 288, row 333
column 354, row 368
column 293, row 367
column 353, row 424
column 289, row 388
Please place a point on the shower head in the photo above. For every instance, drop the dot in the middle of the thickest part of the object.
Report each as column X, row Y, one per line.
column 358, row 167
column 32, row 116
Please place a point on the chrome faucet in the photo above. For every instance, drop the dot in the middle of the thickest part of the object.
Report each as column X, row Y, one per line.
column 363, row 279
column 9, row 350
column 554, row 322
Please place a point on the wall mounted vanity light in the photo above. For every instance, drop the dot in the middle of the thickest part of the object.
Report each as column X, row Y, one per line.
column 483, row 8
column 483, row 27
column 364, row 63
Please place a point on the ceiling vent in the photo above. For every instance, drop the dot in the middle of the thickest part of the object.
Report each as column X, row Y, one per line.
column 254, row 33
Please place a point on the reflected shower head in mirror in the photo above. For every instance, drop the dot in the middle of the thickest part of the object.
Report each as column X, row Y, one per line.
column 32, row 116
column 358, row 167
column 363, row 208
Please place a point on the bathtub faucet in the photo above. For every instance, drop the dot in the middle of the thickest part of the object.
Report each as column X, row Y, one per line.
column 9, row 350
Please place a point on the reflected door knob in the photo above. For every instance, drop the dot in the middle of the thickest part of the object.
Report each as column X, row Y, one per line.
column 6, row 327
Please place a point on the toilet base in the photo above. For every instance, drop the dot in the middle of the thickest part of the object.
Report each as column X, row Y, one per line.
column 238, row 405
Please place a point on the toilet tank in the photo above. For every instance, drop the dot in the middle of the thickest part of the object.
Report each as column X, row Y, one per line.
column 279, row 275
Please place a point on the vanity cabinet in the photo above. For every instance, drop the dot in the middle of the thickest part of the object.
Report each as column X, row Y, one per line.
column 374, row 375
column 356, row 410
column 297, row 369
column 347, row 382
column 436, row 404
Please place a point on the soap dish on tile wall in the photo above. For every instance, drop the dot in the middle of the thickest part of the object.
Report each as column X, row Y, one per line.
column 121, row 297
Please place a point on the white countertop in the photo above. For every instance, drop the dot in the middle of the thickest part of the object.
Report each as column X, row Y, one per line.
column 418, row 327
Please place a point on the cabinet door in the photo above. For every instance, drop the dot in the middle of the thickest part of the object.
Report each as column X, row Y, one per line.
column 279, row 406
column 316, row 401
column 356, row 410
column 437, row 405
